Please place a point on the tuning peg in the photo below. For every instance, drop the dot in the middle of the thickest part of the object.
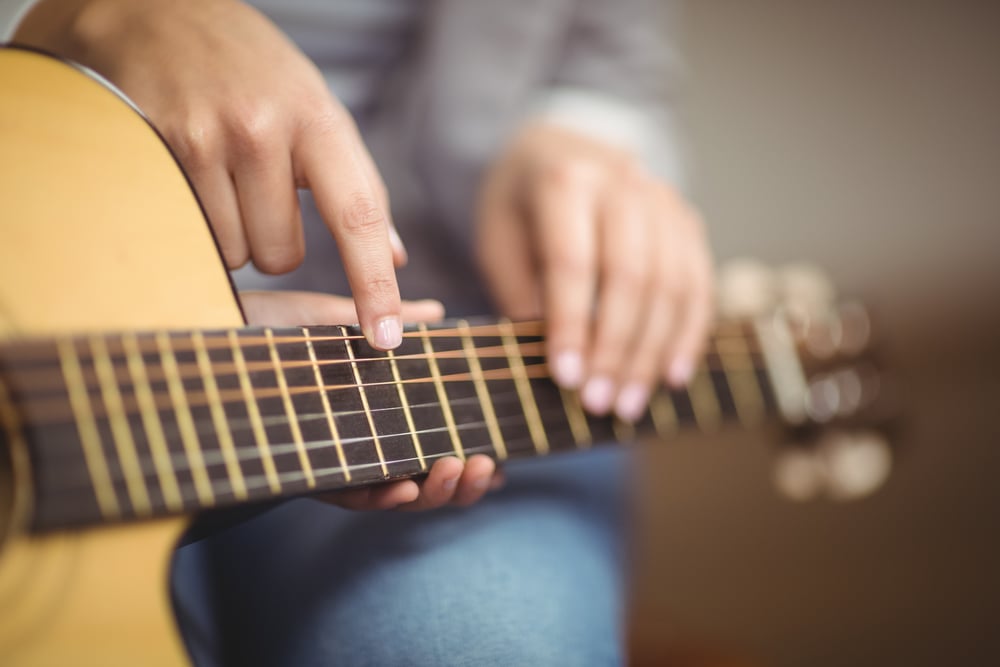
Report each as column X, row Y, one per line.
column 855, row 327
column 858, row 463
column 805, row 289
column 842, row 392
column 798, row 473
column 745, row 288
column 842, row 465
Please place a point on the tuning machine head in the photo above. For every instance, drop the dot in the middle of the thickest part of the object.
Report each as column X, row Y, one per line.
column 840, row 465
column 828, row 386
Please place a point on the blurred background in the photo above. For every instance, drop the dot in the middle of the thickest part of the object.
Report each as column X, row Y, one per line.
column 865, row 137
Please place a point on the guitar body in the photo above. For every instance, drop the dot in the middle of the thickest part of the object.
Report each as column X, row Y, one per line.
column 98, row 597
column 98, row 231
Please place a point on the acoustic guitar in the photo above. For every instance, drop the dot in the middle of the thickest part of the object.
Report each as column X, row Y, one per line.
column 132, row 395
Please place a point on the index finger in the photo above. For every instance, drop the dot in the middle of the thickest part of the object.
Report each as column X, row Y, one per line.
column 330, row 155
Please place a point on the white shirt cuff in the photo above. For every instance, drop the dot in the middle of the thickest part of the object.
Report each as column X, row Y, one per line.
column 11, row 13
column 647, row 135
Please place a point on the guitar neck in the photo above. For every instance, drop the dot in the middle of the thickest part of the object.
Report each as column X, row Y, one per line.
column 129, row 426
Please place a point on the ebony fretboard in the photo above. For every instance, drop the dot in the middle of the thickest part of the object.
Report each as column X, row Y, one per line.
column 128, row 426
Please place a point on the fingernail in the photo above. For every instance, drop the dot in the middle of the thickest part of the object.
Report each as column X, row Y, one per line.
column 388, row 333
column 597, row 395
column 680, row 372
column 632, row 402
column 450, row 483
column 567, row 369
column 481, row 484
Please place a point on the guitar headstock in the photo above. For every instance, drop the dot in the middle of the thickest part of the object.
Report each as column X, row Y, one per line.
column 828, row 385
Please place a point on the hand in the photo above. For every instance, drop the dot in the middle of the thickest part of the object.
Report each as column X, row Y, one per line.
column 250, row 119
column 617, row 262
column 449, row 481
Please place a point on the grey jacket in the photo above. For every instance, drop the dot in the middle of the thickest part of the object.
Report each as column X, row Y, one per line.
column 438, row 85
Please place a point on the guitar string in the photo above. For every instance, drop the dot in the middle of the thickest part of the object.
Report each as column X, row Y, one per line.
column 236, row 397
column 217, row 339
column 255, row 483
column 227, row 369
column 222, row 486
column 205, row 426
column 279, row 449
column 51, row 378
column 55, row 410
column 251, row 453
column 713, row 362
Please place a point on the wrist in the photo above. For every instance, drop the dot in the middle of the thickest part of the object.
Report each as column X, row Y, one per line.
column 77, row 29
column 51, row 25
column 643, row 130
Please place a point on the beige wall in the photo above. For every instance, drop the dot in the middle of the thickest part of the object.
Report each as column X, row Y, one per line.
column 864, row 136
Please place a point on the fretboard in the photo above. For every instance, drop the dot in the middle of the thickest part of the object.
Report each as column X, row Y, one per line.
column 128, row 426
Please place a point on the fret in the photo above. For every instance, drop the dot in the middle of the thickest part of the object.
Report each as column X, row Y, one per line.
column 449, row 418
column 783, row 367
column 422, row 398
column 548, row 400
column 151, row 423
column 293, row 420
column 523, row 386
column 704, row 402
column 738, row 369
column 90, row 439
column 253, row 414
column 364, row 403
column 57, row 480
column 683, row 408
column 504, row 400
column 482, row 392
column 577, row 418
column 723, row 394
column 121, row 433
column 339, row 383
column 624, row 431
column 185, row 423
column 197, row 408
column 219, row 420
column 328, row 411
column 469, row 415
column 664, row 415
column 405, row 403
column 384, row 411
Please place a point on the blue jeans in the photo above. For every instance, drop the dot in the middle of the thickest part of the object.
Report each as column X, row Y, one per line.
column 532, row 575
